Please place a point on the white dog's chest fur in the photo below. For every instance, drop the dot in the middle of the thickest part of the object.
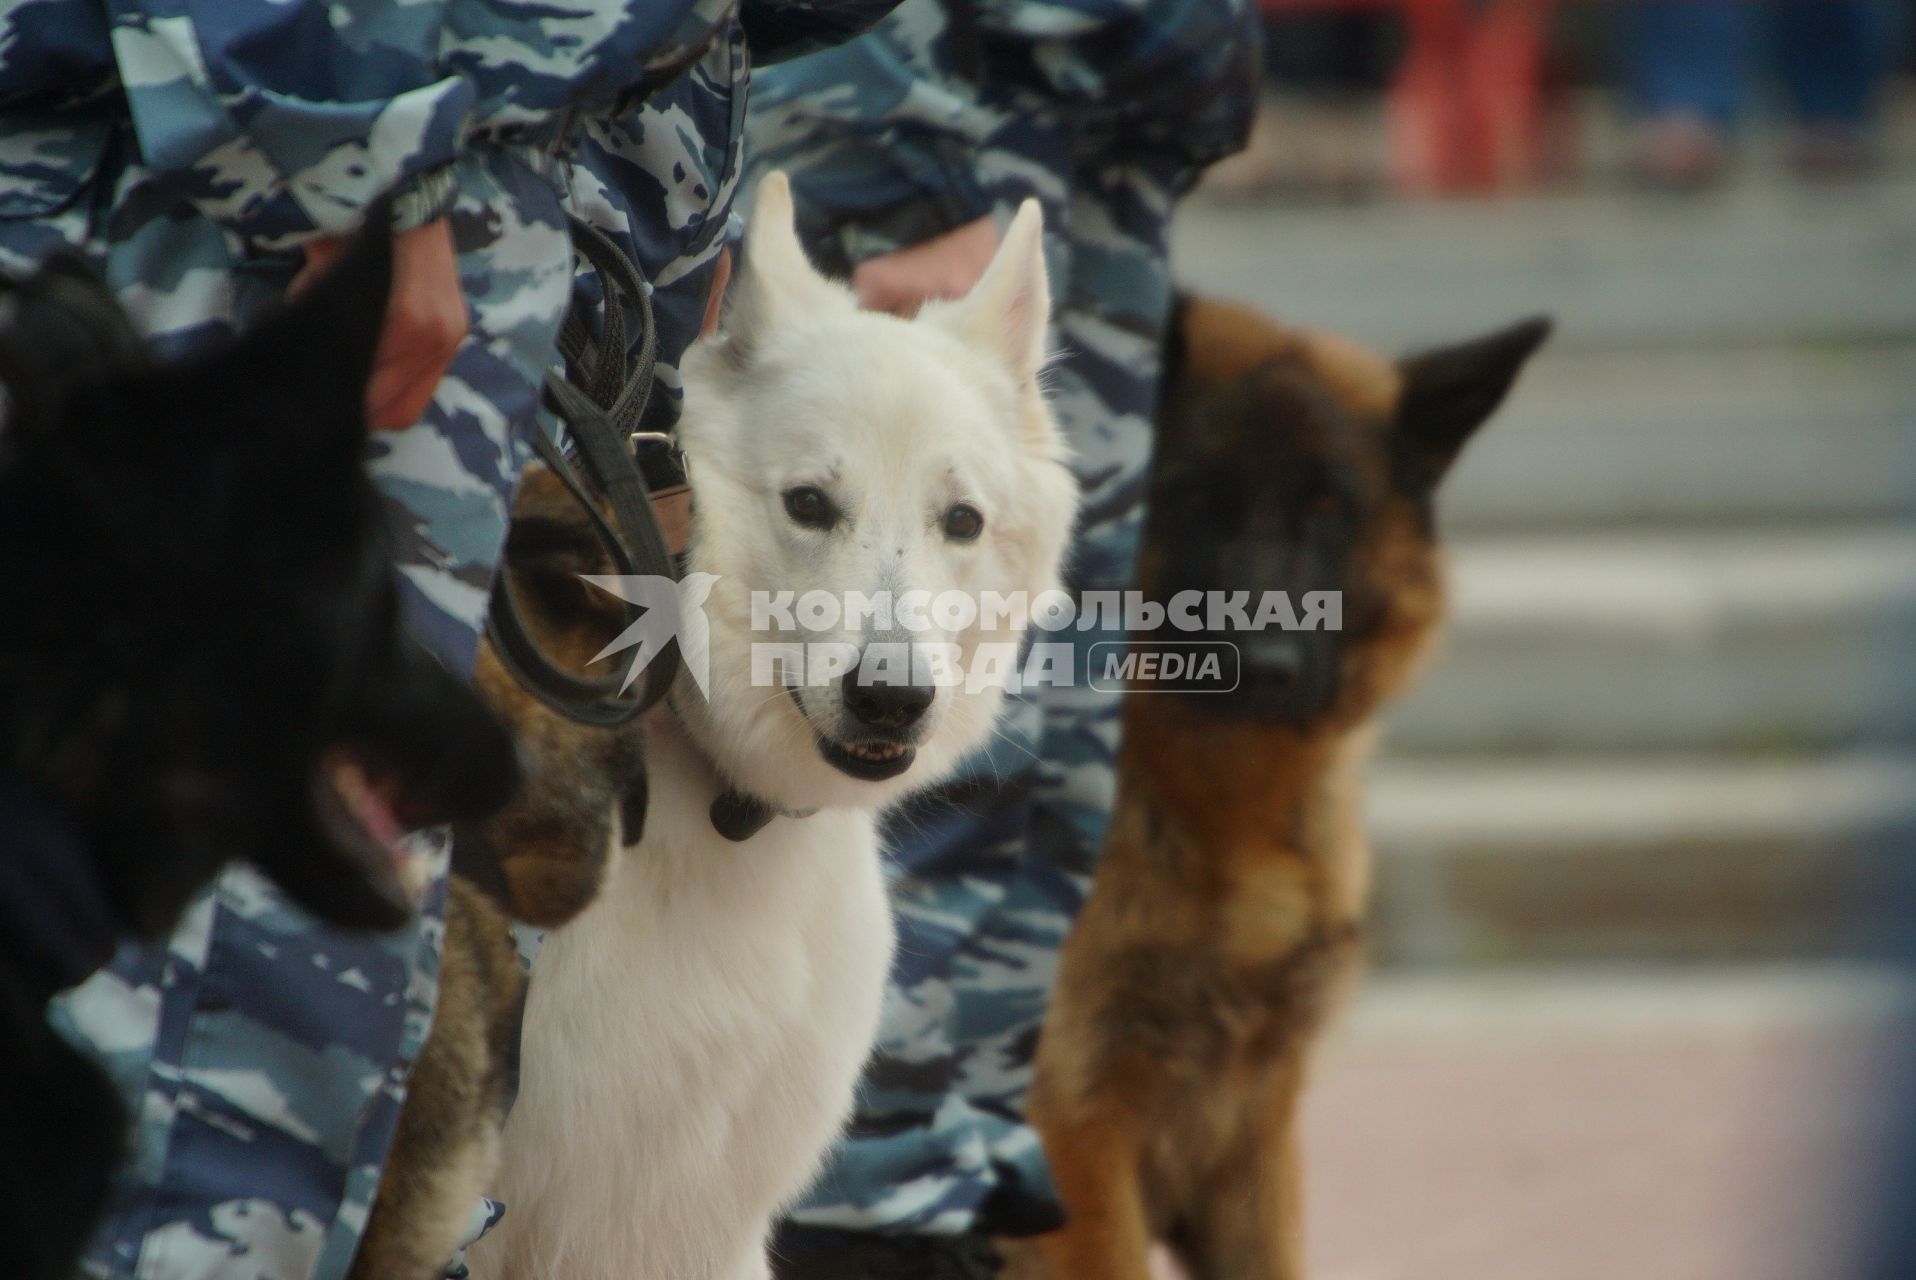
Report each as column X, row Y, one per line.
column 714, row 1008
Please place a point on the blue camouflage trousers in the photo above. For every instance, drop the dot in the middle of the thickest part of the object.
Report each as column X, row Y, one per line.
column 990, row 869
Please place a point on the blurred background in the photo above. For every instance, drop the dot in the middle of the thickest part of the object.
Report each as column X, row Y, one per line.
column 1639, row 834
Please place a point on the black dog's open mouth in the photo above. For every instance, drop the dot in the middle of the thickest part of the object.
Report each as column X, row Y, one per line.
column 868, row 761
column 364, row 816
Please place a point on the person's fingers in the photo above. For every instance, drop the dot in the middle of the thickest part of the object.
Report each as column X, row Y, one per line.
column 946, row 266
column 902, row 292
column 398, row 395
column 880, row 290
column 419, row 345
column 426, row 321
column 405, row 376
column 320, row 255
column 715, row 300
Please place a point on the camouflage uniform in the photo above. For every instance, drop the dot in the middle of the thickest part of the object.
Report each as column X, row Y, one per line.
column 1105, row 110
column 189, row 150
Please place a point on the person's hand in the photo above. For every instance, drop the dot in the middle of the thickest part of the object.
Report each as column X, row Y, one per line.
column 715, row 300
column 945, row 266
column 426, row 320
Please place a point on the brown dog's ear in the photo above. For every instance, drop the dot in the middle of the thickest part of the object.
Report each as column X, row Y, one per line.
column 550, row 545
column 1449, row 392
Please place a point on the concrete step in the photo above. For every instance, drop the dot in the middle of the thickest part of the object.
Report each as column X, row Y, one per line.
column 1769, row 433
column 1757, row 261
column 1697, row 641
column 1485, row 862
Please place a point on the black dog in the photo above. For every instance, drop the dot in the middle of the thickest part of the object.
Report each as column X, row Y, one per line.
column 201, row 659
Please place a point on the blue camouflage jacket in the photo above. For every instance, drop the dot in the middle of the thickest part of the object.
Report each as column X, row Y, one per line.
column 951, row 107
column 282, row 120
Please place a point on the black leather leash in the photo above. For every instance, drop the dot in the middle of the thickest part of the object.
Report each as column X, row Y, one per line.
column 602, row 400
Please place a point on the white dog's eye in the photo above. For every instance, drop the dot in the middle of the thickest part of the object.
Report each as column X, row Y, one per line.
column 963, row 523
column 808, row 505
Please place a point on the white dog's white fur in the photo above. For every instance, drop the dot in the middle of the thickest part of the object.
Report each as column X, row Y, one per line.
column 693, row 1039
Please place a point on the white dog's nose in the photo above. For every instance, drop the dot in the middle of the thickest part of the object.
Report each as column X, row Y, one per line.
column 886, row 705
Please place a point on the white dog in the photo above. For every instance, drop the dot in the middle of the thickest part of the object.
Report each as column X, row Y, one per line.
column 693, row 1039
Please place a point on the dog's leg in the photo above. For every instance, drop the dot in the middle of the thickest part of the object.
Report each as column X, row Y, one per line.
column 1098, row 1170
column 446, row 1148
column 1250, row 1224
column 421, row 1217
column 1021, row 1259
column 1247, row 1222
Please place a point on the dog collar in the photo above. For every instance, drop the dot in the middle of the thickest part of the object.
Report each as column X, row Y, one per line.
column 666, row 485
column 738, row 817
column 733, row 813
column 57, row 925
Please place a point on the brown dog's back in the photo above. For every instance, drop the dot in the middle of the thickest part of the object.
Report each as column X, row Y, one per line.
column 447, row 1144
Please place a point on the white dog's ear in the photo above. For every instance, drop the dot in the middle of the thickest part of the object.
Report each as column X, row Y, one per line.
column 777, row 282
column 1007, row 310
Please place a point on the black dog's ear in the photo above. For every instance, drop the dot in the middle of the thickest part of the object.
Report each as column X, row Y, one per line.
column 60, row 328
column 1449, row 392
column 305, row 366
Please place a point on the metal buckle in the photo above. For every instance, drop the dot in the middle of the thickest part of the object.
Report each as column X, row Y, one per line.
column 663, row 467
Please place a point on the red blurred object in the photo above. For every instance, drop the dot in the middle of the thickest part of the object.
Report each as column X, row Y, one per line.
column 1465, row 113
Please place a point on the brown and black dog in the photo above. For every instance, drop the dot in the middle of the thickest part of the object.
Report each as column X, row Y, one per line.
column 540, row 861
column 1227, row 914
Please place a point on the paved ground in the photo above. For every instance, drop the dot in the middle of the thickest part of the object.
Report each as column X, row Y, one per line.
column 1648, row 1126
